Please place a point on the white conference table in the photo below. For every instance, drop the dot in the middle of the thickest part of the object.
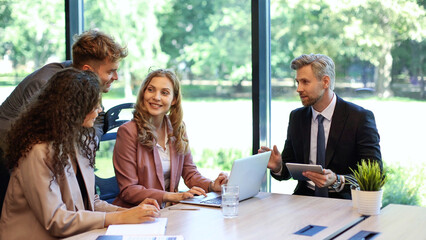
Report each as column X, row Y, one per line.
column 265, row 216
column 394, row 222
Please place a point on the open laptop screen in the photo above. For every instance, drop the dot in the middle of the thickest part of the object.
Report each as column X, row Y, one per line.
column 247, row 173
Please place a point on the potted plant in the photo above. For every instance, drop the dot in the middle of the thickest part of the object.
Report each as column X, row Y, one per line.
column 367, row 181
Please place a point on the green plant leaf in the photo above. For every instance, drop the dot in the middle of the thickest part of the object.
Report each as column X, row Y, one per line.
column 368, row 176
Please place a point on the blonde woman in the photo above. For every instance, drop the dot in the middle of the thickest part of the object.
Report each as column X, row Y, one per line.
column 151, row 152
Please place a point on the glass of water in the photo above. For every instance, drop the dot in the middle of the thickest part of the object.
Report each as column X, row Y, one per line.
column 230, row 200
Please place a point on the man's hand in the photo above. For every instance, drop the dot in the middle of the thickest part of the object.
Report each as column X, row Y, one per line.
column 275, row 161
column 321, row 180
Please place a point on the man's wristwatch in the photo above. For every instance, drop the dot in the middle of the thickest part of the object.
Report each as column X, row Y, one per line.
column 337, row 183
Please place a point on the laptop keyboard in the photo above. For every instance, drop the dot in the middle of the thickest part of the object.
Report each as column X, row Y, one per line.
column 216, row 200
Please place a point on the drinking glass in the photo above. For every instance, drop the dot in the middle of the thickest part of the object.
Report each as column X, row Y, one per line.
column 230, row 200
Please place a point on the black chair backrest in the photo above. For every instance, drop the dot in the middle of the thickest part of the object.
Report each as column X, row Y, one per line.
column 107, row 188
column 112, row 120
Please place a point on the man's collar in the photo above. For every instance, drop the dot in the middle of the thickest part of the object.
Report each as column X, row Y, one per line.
column 328, row 111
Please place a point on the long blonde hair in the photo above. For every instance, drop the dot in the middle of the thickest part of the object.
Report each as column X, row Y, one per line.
column 146, row 130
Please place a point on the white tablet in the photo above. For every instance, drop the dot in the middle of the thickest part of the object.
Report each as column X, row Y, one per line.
column 296, row 170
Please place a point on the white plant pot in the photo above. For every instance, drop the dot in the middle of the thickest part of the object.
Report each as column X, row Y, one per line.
column 354, row 193
column 369, row 202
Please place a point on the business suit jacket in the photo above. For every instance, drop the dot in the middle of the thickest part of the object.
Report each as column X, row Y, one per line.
column 36, row 207
column 353, row 136
column 139, row 170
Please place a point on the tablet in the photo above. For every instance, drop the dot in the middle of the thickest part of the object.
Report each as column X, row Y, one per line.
column 296, row 170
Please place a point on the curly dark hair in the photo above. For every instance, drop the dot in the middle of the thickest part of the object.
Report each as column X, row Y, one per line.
column 55, row 117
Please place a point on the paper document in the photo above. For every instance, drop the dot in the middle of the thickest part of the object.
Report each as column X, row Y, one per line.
column 134, row 237
column 158, row 227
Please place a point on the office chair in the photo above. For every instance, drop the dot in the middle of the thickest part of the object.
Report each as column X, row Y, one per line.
column 112, row 120
column 107, row 188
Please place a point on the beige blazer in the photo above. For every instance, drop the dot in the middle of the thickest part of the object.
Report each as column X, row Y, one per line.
column 139, row 170
column 37, row 208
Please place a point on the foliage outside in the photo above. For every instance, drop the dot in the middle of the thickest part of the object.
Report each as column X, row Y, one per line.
column 405, row 185
column 221, row 159
column 376, row 42
column 368, row 176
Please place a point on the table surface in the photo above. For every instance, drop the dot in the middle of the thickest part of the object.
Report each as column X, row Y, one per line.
column 265, row 216
column 394, row 222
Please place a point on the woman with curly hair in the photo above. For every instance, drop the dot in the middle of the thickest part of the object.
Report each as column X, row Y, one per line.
column 151, row 152
column 51, row 149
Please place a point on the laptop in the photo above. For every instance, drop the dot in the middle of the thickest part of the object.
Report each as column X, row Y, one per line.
column 247, row 173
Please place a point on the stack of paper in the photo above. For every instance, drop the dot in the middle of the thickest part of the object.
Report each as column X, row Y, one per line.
column 144, row 231
column 158, row 227
column 135, row 237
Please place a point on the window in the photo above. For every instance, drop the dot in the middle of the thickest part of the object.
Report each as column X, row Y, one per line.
column 376, row 47
column 31, row 35
column 208, row 44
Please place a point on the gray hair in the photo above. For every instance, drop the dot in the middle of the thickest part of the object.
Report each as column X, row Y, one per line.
column 322, row 65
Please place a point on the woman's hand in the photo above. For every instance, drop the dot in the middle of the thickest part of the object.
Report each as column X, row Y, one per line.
column 220, row 180
column 139, row 214
column 150, row 201
column 176, row 197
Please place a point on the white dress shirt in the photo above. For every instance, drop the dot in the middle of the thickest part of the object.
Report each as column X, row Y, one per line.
column 327, row 113
column 165, row 160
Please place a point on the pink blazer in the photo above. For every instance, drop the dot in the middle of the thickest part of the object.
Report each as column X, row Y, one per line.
column 139, row 171
column 37, row 208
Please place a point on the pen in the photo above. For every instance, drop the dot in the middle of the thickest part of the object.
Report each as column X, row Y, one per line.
column 190, row 209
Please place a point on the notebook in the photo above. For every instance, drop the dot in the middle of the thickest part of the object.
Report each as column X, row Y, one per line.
column 247, row 173
column 157, row 227
column 144, row 231
column 137, row 237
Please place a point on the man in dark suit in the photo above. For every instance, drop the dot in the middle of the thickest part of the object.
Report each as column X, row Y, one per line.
column 348, row 132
